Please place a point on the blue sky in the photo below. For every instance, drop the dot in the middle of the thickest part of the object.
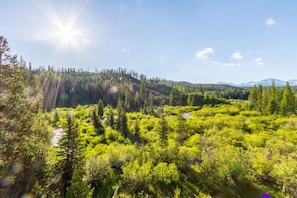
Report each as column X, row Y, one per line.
column 200, row 41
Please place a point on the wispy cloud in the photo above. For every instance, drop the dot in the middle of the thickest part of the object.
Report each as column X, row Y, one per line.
column 126, row 50
column 227, row 64
column 259, row 61
column 270, row 21
column 163, row 58
column 204, row 53
column 236, row 55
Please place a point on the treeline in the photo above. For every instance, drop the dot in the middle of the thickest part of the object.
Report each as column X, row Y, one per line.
column 217, row 90
column 273, row 100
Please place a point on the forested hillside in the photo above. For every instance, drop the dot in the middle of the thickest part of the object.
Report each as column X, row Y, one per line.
column 118, row 134
column 69, row 88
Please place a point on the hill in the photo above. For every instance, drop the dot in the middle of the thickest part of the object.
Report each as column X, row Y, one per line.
column 69, row 88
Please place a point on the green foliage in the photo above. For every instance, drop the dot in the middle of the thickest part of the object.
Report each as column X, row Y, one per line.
column 79, row 187
column 70, row 155
column 24, row 136
column 100, row 108
column 273, row 100
column 214, row 148
column 97, row 122
column 163, row 130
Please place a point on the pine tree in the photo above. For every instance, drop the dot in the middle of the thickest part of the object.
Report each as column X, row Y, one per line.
column 70, row 155
column 162, row 130
column 100, row 108
column 56, row 119
column 24, row 137
column 142, row 91
column 110, row 118
column 4, row 51
column 181, row 127
column 97, row 122
column 122, row 119
column 171, row 98
column 253, row 97
column 287, row 104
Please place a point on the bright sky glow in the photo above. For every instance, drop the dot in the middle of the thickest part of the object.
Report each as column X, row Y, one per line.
column 199, row 41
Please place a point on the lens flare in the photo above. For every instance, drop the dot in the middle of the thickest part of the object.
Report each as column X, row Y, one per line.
column 64, row 29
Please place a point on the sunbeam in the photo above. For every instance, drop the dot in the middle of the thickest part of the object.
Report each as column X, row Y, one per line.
column 64, row 29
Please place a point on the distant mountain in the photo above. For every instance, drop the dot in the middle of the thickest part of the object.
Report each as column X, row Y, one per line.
column 265, row 83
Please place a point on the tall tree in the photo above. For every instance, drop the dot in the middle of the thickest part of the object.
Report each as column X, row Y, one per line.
column 100, row 108
column 70, row 155
column 181, row 127
column 122, row 119
column 110, row 117
column 253, row 97
column 4, row 51
column 24, row 137
column 287, row 104
column 142, row 91
column 97, row 122
column 162, row 130
column 171, row 98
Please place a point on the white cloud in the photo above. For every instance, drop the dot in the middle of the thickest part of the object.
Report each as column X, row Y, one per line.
column 227, row 64
column 259, row 61
column 270, row 22
column 204, row 53
column 126, row 50
column 236, row 56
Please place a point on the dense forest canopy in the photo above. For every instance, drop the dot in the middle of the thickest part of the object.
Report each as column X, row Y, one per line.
column 115, row 133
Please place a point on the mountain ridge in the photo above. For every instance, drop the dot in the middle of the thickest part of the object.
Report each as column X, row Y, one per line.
column 265, row 83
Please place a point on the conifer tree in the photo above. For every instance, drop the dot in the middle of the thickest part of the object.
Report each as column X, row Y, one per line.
column 100, row 108
column 253, row 97
column 142, row 91
column 70, row 155
column 97, row 122
column 287, row 104
column 24, row 139
column 162, row 130
column 122, row 119
column 181, row 127
column 171, row 98
column 4, row 51
column 110, row 118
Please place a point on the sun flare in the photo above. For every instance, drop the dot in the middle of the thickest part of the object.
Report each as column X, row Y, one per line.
column 65, row 30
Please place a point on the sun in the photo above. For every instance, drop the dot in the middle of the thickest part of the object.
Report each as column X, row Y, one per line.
column 67, row 34
column 68, row 37
column 65, row 30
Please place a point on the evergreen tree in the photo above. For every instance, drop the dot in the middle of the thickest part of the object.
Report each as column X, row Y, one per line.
column 56, row 119
column 181, row 127
column 142, row 91
column 163, row 130
column 253, row 97
column 70, row 155
column 287, row 104
column 24, row 137
column 273, row 102
column 100, row 108
column 122, row 119
column 97, row 122
column 260, row 100
column 4, row 52
column 110, row 118
column 171, row 98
